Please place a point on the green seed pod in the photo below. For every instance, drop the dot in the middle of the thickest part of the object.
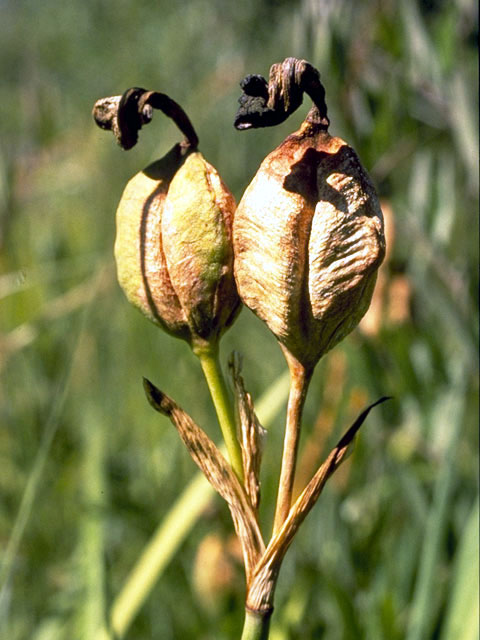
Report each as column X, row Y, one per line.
column 173, row 247
column 308, row 235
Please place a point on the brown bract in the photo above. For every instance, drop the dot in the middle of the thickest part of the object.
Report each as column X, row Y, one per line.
column 308, row 239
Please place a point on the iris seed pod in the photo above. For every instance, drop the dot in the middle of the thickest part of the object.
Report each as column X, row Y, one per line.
column 173, row 247
column 308, row 231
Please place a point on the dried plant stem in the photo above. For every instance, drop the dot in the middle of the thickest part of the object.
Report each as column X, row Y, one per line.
column 300, row 378
column 257, row 625
column 208, row 356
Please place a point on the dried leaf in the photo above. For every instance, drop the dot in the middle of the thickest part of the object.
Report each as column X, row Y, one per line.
column 217, row 471
column 252, row 434
column 260, row 590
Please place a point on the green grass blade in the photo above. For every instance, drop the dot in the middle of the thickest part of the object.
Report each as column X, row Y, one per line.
column 34, row 479
column 92, row 537
column 463, row 610
column 426, row 598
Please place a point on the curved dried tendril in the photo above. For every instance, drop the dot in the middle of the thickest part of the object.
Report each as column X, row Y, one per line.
column 126, row 114
column 265, row 104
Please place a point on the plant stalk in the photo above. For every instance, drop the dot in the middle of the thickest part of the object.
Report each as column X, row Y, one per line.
column 208, row 356
column 300, row 378
column 257, row 625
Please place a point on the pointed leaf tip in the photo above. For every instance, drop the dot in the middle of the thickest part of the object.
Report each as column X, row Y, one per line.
column 350, row 434
column 269, row 563
column 217, row 470
column 156, row 398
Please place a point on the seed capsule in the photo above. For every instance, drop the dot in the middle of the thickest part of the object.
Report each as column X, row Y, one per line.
column 308, row 234
column 173, row 247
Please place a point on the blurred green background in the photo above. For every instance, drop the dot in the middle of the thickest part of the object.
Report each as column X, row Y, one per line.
column 88, row 471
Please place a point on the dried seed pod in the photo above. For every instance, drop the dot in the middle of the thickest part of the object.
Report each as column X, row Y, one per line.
column 173, row 247
column 308, row 231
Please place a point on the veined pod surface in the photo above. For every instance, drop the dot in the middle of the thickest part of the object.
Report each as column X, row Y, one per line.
column 173, row 247
column 308, row 240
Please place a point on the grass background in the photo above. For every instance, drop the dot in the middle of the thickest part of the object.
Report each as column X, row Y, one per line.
column 88, row 471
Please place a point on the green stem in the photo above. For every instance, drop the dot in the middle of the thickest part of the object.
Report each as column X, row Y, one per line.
column 208, row 356
column 257, row 625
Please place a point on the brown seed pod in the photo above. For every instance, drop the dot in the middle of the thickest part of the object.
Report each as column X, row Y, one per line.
column 173, row 247
column 308, row 231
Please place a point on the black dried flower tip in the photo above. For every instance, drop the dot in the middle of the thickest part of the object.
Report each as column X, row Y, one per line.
column 265, row 104
column 126, row 114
